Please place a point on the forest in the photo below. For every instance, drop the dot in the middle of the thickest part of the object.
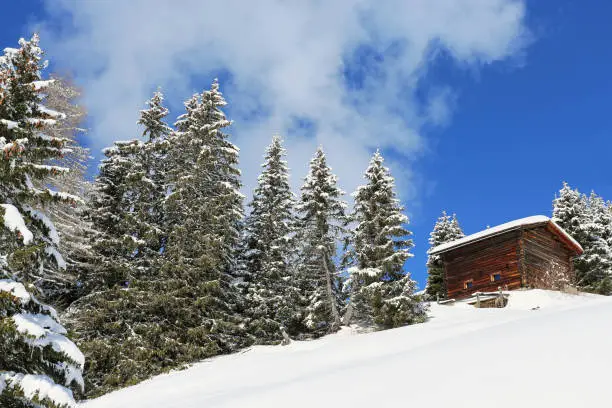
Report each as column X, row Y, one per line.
column 160, row 260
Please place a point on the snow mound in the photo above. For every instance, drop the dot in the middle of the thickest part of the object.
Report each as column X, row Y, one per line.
column 518, row 356
column 38, row 385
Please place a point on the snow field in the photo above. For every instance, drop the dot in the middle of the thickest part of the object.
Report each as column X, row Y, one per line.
column 556, row 355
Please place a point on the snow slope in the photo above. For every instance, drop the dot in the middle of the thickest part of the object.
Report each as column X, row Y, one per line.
column 557, row 355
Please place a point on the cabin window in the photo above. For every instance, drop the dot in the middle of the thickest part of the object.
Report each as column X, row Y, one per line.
column 468, row 284
column 495, row 277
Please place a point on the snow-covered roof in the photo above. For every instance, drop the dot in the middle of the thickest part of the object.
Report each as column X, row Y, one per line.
column 509, row 226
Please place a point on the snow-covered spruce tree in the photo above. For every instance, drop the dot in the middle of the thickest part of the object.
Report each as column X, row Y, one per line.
column 445, row 230
column 382, row 293
column 36, row 360
column 111, row 208
column 27, row 148
column 147, row 215
column 127, row 204
column 596, row 261
column 570, row 210
column 199, row 303
column 585, row 219
column 38, row 364
column 321, row 220
column 272, row 297
column 116, row 321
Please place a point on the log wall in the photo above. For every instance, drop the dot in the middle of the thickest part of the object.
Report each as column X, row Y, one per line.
column 548, row 262
column 480, row 260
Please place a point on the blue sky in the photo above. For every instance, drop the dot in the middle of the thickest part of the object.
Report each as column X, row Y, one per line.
column 487, row 125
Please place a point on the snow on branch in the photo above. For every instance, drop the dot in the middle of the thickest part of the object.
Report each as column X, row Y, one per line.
column 13, row 221
column 40, row 386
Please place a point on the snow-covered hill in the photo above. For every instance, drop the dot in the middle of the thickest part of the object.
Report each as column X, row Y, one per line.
column 558, row 355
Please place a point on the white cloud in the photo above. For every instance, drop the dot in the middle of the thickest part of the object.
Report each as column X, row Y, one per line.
column 286, row 60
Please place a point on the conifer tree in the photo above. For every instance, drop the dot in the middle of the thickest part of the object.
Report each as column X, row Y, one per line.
column 586, row 219
column 38, row 364
column 36, row 360
column 595, row 264
column 445, row 230
column 382, row 293
column 27, row 149
column 187, row 308
column 272, row 296
column 321, row 217
column 570, row 209
column 150, row 184
column 114, row 320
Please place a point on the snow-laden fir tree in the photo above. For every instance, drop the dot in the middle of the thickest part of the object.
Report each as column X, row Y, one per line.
column 200, row 316
column 186, row 310
column 381, row 292
column 127, row 204
column 321, row 220
column 272, row 296
column 570, row 210
column 587, row 220
column 152, row 118
column 126, row 209
column 38, row 364
column 26, row 150
column 36, row 361
column 149, row 187
column 445, row 230
column 595, row 264
column 111, row 211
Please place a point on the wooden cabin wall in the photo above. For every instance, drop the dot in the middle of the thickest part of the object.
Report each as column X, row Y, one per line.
column 478, row 261
column 547, row 261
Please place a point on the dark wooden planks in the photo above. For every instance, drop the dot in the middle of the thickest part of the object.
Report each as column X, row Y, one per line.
column 478, row 261
column 548, row 261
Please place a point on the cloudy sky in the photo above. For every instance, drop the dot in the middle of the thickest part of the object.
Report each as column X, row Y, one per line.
column 466, row 98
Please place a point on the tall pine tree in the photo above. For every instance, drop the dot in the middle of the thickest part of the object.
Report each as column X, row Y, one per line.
column 204, row 212
column 36, row 360
column 272, row 296
column 382, row 293
column 321, row 217
column 587, row 220
column 445, row 230
column 187, row 309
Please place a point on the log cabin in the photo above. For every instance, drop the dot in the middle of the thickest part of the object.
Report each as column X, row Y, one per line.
column 532, row 252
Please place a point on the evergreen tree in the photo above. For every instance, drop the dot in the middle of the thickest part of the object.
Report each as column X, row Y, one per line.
column 151, row 318
column 382, row 293
column 127, row 204
column 38, row 364
column 111, row 211
column 152, row 119
column 320, row 225
column 150, row 185
column 570, row 209
column 587, row 220
column 36, row 360
column 595, row 264
column 272, row 296
column 27, row 149
column 445, row 230
column 205, row 207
